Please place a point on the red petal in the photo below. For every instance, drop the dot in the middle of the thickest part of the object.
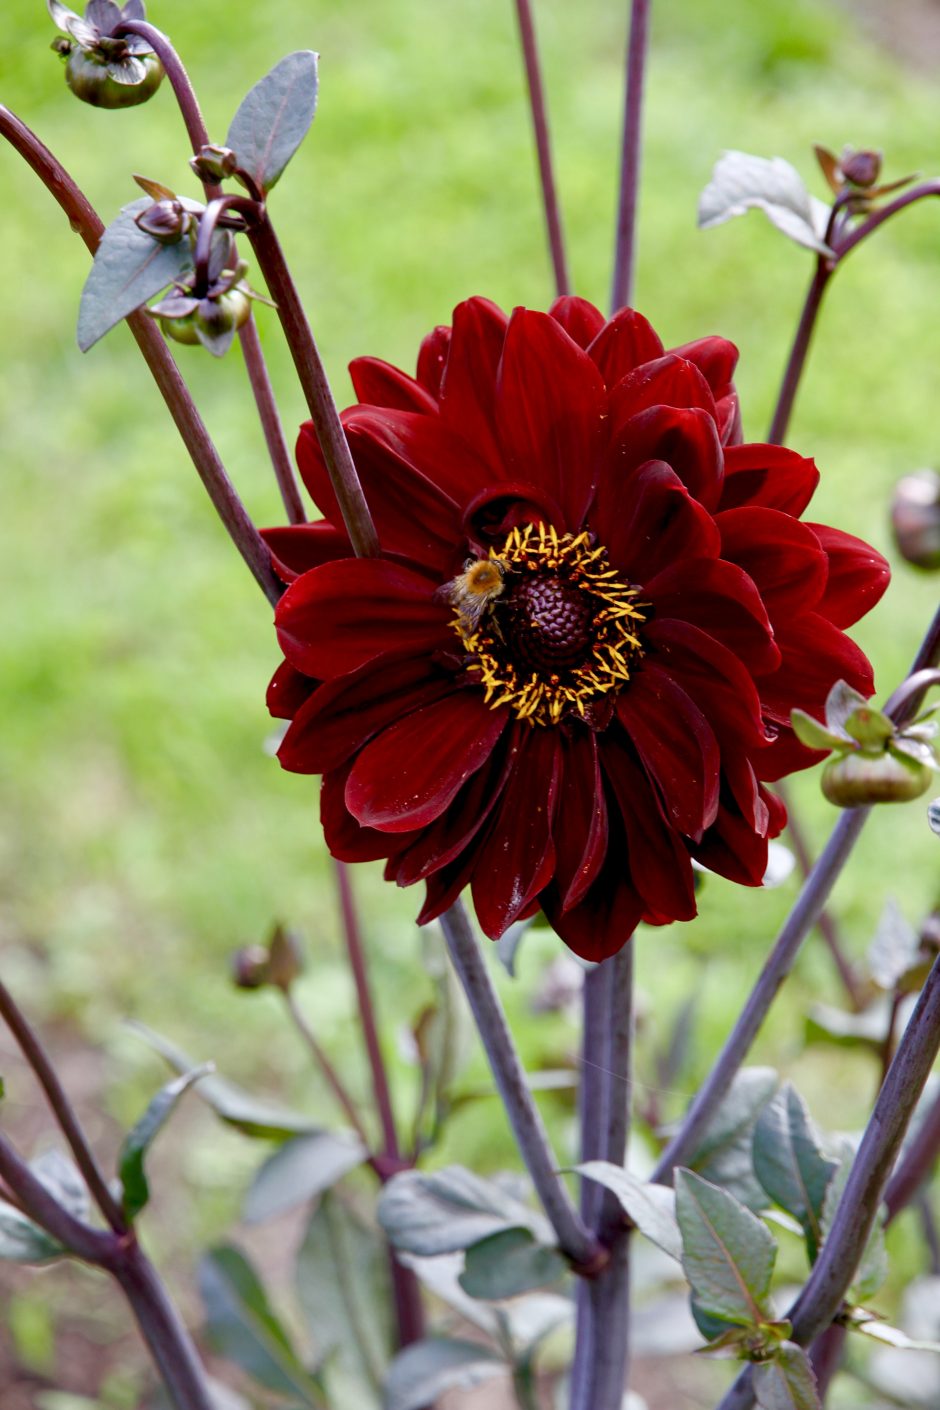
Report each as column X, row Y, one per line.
column 348, row 710
column 603, row 922
column 721, row 599
column 517, row 859
column 647, row 519
column 769, row 475
column 468, row 392
column 337, row 617
column 669, row 381
column 715, row 358
column 345, row 838
column 858, row 575
column 580, row 827
column 779, row 553
column 713, row 677
column 296, row 548
column 381, row 384
column 659, row 864
column 444, row 886
column 676, row 745
column 410, row 773
column 733, row 849
column 815, row 654
column 580, row 319
column 432, row 358
column 550, row 405
column 623, row 344
column 686, row 440
column 288, row 691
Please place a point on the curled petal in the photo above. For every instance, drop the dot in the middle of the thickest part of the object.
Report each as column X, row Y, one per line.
column 624, row 344
column 381, row 384
column 768, row 475
column 858, row 576
column 580, row 319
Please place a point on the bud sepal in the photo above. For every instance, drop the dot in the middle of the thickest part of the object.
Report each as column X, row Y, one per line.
column 102, row 66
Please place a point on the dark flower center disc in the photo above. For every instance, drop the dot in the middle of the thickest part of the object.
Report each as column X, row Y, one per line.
column 546, row 624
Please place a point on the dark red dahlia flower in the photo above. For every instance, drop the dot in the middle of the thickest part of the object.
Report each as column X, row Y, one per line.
column 572, row 672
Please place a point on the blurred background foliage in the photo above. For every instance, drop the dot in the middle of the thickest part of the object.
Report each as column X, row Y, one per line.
column 145, row 831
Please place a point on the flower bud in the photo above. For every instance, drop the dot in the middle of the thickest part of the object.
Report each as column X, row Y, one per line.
column 250, row 967
column 860, row 168
column 852, row 780
column 213, row 163
column 94, row 81
column 285, row 962
column 915, row 518
column 165, row 221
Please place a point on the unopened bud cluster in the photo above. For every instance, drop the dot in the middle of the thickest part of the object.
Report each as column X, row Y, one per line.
column 103, row 66
column 853, row 177
column 278, row 963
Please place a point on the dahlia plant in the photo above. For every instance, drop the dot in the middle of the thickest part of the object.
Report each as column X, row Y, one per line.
column 555, row 639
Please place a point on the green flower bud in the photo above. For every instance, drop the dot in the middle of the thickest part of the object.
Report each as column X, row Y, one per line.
column 852, row 780
column 213, row 163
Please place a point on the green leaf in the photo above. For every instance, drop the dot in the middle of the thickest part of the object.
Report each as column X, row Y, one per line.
column 232, row 1104
column 300, row 1169
column 867, row 1029
column 790, row 1164
column 787, row 1381
column 274, row 118
column 133, row 1177
column 813, row 734
column 725, row 1152
column 450, row 1209
column 242, row 1326
column 727, row 1253
column 22, row 1241
column 841, row 703
column 343, row 1288
column 64, row 1182
column 873, row 1264
column 894, row 948
column 890, row 1336
column 424, row 1370
column 509, row 1263
column 129, row 268
column 652, row 1208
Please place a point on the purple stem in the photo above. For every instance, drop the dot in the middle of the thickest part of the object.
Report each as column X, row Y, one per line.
column 916, row 1164
column 163, row 1330
column 825, row 268
column 604, row 1302
column 543, row 147
column 63, row 1111
column 92, row 1245
column 255, row 364
column 316, row 389
column 821, row 1298
column 84, row 219
column 574, row 1237
column 321, row 1057
column 625, row 252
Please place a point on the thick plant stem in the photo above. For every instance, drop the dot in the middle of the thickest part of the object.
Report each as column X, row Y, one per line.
column 84, row 219
column 821, row 1298
column 32, row 1196
column 255, row 364
column 163, row 1330
column 918, row 1161
column 316, row 390
column 62, row 1108
column 801, row 341
column 556, row 242
column 800, row 921
column 625, row 248
column 574, row 1237
column 602, row 1330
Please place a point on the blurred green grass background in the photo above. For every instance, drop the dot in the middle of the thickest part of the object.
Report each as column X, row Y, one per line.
column 145, row 832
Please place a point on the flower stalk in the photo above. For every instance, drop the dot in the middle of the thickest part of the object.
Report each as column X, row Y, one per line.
column 625, row 249
column 556, row 241
column 574, row 1237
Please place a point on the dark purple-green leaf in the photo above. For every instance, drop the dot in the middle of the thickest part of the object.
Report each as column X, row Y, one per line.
column 134, row 1186
column 129, row 268
column 786, row 1382
column 509, row 1263
column 275, row 117
column 727, row 1253
column 790, row 1164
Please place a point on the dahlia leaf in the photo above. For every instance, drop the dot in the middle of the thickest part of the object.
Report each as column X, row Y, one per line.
column 741, row 182
column 509, row 1263
column 814, row 735
column 241, row 1325
column 652, row 1208
column 129, row 268
column 274, row 118
column 22, row 1241
column 893, row 949
column 342, row 1282
column 449, row 1209
column 873, row 1327
column 299, row 1170
column 134, row 1184
column 790, row 1163
column 727, row 1253
column 786, row 1382
column 425, row 1369
column 251, row 1115
column 868, row 1029
column 725, row 1152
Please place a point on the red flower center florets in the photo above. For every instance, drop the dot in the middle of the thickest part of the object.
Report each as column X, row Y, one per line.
column 547, row 625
